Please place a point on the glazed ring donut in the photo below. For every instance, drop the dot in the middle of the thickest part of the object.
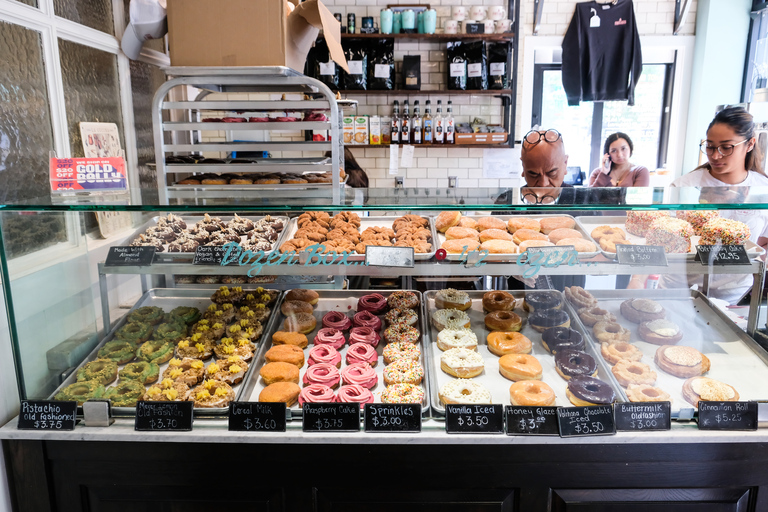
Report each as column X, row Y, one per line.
column 400, row 350
column 498, row 301
column 520, row 367
column 601, row 232
column 555, row 339
column 447, row 220
column 583, row 391
column 301, row 322
column 503, row 321
column 590, row 316
column 457, row 232
column 580, row 244
column 610, row 332
column 502, row 343
column 516, row 223
column 403, row 300
column 403, row 371
column 456, row 338
column 633, row 372
column 287, row 392
column 402, row 394
column 646, row 393
column 549, row 224
column 450, row 319
column 579, row 297
column 621, row 351
column 462, row 362
column 460, row 245
column 103, row 371
column 531, row 392
column 464, row 391
column 450, row 298
column 543, row 319
column 542, row 300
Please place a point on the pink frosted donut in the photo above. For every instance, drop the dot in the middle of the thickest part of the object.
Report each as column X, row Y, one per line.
column 322, row 373
column 329, row 336
column 400, row 332
column 324, row 354
column 361, row 374
column 352, row 393
column 337, row 320
column 401, row 316
column 373, row 302
column 366, row 319
column 316, row 393
column 364, row 335
column 362, row 353
column 403, row 300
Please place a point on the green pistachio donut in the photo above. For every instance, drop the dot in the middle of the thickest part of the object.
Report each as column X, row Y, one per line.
column 187, row 314
column 126, row 393
column 147, row 314
column 172, row 332
column 135, row 332
column 80, row 392
column 141, row 371
column 103, row 371
column 156, row 351
column 119, row 351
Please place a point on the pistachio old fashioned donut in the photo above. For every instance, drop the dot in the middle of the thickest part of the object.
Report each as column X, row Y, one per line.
column 464, row 391
column 135, row 332
column 152, row 315
column 157, row 351
column 103, row 371
column 81, row 391
column 119, row 351
column 126, row 393
column 142, row 371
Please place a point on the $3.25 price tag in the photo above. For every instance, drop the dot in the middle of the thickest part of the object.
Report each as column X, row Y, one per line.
column 474, row 419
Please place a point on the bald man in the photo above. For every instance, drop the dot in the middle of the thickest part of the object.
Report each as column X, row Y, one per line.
column 545, row 163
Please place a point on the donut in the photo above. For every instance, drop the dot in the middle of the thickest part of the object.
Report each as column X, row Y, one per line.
column 450, row 319
column 462, row 362
column 125, row 394
column 464, row 391
column 520, row 367
column 373, row 302
column 400, row 350
column 171, row 332
column 456, row 338
column 503, row 321
column 81, row 391
column 292, row 307
column 633, row 372
column 681, row 361
column 531, row 392
column 583, row 391
column 550, row 224
column 516, row 223
column 610, row 332
column 556, row 339
column 499, row 246
column 290, row 338
column 570, row 363
column 498, row 301
column 322, row 373
column 609, row 244
column 189, row 371
column 361, row 374
column 135, row 332
column 660, row 332
column 324, row 354
column 562, row 233
column 103, row 371
column 495, row 234
column 460, row 245
column 642, row 310
column 724, row 231
column 147, row 373
column 279, row 372
column 523, row 235
column 337, row 320
column 402, row 316
column 287, row 392
column 152, row 315
column 446, row 220
column 214, row 313
column 646, row 393
column 524, row 246
column 316, row 393
column 286, row 353
column 543, row 319
column 400, row 332
column 232, row 370
column 195, row 347
column 354, row 393
column 591, row 315
column 300, row 322
column 542, row 300
column 403, row 300
column 638, row 222
column 703, row 388
column 402, row 394
column 403, row 371
column 302, row 294
column 697, row 218
column 187, row 314
column 485, row 223
column 457, row 233
column 227, row 295
column 673, row 234
column 450, row 298
column 366, row 319
column 330, row 336
column 467, row 222
column 502, row 343
column 364, row 335
column 155, row 351
column 621, row 351
column 601, row 232
column 362, row 353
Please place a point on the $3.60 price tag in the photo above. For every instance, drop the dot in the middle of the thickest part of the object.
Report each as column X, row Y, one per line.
column 257, row 417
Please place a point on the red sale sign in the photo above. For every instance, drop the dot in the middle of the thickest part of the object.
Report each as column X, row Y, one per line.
column 88, row 174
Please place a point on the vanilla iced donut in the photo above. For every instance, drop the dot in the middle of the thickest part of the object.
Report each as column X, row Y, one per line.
column 456, row 338
column 462, row 362
column 450, row 319
column 464, row 391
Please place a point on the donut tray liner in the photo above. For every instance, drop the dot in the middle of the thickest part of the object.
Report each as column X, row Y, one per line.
column 735, row 358
column 346, row 302
column 490, row 377
column 513, row 257
column 167, row 299
column 590, row 223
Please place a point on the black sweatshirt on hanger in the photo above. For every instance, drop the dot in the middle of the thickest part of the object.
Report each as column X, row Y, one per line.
column 602, row 63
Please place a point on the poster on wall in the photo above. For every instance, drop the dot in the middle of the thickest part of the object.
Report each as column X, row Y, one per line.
column 100, row 140
column 94, row 175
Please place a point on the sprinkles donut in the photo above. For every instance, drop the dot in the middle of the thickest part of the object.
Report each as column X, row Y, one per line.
column 402, row 394
column 403, row 300
column 401, row 315
column 403, row 371
column 400, row 350
column 403, row 333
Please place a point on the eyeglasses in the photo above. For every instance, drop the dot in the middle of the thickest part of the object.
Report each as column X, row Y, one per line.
column 723, row 149
column 533, row 198
column 533, row 137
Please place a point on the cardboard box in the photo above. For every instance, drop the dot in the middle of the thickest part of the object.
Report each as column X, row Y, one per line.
column 348, row 129
column 249, row 33
column 362, row 133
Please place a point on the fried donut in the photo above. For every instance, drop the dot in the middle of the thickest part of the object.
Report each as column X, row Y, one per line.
column 703, row 388
column 279, row 372
column 338, row 246
column 337, row 320
column 580, row 244
column 467, row 222
column 319, row 217
column 502, row 343
column 365, row 318
column 516, row 223
column 296, row 245
column 681, row 361
column 543, row 319
column 503, row 321
column 531, row 392
column 398, row 315
column 103, row 371
column 610, row 332
column 542, row 300
column 520, row 367
column 456, row 338
column 556, row 339
column 464, row 391
column 579, row 297
column 499, row 246
column 550, row 224
column 456, row 233
column 302, row 294
column 402, row 394
column 646, row 393
column 462, row 362
column 601, row 232
column 450, row 298
column 373, row 302
column 322, row 373
column 583, row 391
column 590, row 316
column 571, row 363
column 403, row 371
column 460, row 245
column 287, row 392
column 354, row 393
column 642, row 310
column 447, row 220
column 450, row 319
column 495, row 234
column 484, row 223
column 330, row 336
column 609, row 244
column 285, row 353
column 633, row 372
column 660, row 332
column 403, row 299
column 400, row 332
column 400, row 350
column 498, row 301
column 308, row 233
column 290, row 338
column 523, row 235
column 292, row 307
column 621, row 351
column 316, row 393
column 362, row 353
column 301, row 322
column 364, row 335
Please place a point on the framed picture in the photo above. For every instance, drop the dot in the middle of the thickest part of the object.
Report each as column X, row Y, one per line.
column 416, row 8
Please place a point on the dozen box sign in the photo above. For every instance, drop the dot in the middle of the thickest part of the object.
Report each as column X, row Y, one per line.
column 88, row 174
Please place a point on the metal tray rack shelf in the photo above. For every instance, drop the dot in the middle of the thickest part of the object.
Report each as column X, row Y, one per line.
column 180, row 132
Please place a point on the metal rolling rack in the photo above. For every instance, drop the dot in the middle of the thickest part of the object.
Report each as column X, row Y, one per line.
column 186, row 125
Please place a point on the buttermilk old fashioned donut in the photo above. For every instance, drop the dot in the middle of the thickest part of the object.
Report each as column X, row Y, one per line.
column 681, row 361
column 591, row 315
column 447, row 220
column 646, row 393
column 456, row 233
column 660, row 332
column 462, row 362
column 502, row 343
column 550, row 224
column 532, row 393
column 498, row 301
column 450, row 319
column 542, row 300
column 579, row 297
column 584, row 391
column 520, row 367
column 456, row 338
column 450, row 298
column 543, row 319
column 633, row 372
column 571, row 363
column 703, row 388
column 516, row 223
column 556, row 339
column 610, row 332
column 464, row 391
column 642, row 310
column 503, row 321
column 621, row 351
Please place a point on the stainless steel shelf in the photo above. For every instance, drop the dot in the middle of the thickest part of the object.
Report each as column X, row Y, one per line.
column 251, row 146
column 239, row 106
column 272, row 125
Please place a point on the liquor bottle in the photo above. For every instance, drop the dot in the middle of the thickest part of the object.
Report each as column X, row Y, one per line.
column 437, row 124
column 449, row 127
column 395, row 130
column 405, row 125
column 416, row 124
column 426, row 124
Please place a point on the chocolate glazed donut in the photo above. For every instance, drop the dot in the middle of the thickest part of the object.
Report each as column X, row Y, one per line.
column 542, row 300
column 574, row 363
column 555, row 339
column 543, row 319
column 588, row 390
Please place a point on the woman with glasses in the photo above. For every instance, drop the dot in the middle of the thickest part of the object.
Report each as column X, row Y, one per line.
column 617, row 170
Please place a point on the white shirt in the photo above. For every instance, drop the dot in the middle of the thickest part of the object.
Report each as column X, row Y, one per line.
column 702, row 178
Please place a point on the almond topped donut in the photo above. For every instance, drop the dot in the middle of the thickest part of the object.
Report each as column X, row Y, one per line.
column 450, row 319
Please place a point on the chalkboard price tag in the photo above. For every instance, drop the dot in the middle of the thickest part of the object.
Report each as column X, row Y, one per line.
column 163, row 416
column 209, row 255
column 594, row 420
column 474, row 419
column 532, row 421
column 641, row 255
column 332, row 417
column 389, row 256
column 126, row 256
column 727, row 415
column 47, row 415
column 393, row 417
column 257, row 416
column 643, row 416
column 722, row 255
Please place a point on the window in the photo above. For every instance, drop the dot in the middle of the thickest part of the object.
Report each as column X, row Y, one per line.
column 756, row 65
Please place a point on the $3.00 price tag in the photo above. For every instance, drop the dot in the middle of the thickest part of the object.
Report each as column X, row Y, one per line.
column 393, row 417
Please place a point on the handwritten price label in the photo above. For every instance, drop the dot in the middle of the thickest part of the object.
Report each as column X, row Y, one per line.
column 727, row 415
column 393, row 417
column 257, row 417
column 477, row 419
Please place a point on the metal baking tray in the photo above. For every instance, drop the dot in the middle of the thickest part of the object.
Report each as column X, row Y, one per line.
column 169, row 298
column 369, row 222
column 491, row 378
column 512, row 257
column 735, row 358
column 257, row 188
column 591, row 222
column 346, row 302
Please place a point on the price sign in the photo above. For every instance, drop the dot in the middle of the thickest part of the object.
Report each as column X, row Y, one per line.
column 595, row 420
column 339, row 417
column 641, row 255
column 163, row 416
column 393, row 417
column 389, row 256
column 643, row 416
column 714, row 255
column 209, row 255
column 47, row 415
column 257, row 416
column 87, row 174
column 727, row 415
column 126, row 256
column 474, row 419
column 532, row 421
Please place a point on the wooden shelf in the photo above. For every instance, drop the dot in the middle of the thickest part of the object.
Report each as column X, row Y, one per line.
column 408, row 92
column 450, row 146
column 433, row 37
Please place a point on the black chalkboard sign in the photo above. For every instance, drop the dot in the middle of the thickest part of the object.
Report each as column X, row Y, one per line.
column 594, row 420
column 47, row 415
column 727, row 415
column 331, row 417
column 474, row 418
column 532, row 421
column 209, row 255
column 642, row 416
column 126, row 256
column 257, row 416
column 641, row 255
column 393, row 417
column 722, row 255
column 163, row 416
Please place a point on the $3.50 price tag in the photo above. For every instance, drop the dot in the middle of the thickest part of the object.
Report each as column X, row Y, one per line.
column 474, row 419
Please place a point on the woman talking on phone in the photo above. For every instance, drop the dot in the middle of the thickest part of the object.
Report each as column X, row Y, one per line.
column 616, row 169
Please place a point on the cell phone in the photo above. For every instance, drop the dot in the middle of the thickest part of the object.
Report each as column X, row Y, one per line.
column 608, row 163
